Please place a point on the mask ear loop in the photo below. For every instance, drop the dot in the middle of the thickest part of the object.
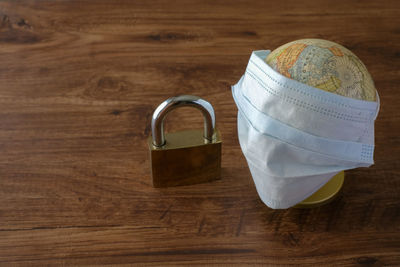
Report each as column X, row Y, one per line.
column 378, row 100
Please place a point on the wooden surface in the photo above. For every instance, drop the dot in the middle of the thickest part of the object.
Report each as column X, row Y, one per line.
column 78, row 83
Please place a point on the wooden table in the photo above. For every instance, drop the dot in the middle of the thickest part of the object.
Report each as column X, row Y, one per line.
column 79, row 81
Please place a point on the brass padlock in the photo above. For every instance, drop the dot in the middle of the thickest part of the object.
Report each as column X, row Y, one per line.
column 185, row 157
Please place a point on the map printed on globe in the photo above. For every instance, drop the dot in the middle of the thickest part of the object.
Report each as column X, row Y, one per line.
column 325, row 65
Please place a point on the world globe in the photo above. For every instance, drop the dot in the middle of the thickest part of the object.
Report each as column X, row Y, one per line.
column 325, row 65
column 330, row 67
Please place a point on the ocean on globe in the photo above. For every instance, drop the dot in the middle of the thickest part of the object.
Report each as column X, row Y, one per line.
column 325, row 65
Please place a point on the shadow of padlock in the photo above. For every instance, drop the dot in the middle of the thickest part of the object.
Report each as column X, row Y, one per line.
column 184, row 157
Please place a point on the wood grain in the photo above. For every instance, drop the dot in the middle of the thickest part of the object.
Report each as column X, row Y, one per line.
column 78, row 83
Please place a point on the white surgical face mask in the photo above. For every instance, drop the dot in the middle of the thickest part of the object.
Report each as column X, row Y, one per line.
column 296, row 137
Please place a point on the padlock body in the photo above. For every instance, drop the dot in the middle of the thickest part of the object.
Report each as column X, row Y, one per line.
column 185, row 159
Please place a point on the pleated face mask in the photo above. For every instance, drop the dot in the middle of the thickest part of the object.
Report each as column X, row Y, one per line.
column 296, row 137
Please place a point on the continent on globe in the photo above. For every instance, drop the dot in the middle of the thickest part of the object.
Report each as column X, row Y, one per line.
column 325, row 65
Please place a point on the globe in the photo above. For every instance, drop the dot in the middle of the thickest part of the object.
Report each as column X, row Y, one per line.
column 330, row 67
column 325, row 65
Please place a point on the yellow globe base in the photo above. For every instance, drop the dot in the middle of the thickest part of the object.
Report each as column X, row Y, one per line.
column 325, row 194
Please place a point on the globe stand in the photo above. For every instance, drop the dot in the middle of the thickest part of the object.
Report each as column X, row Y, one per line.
column 325, row 194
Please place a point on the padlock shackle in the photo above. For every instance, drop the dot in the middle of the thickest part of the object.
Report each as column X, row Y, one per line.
column 157, row 122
